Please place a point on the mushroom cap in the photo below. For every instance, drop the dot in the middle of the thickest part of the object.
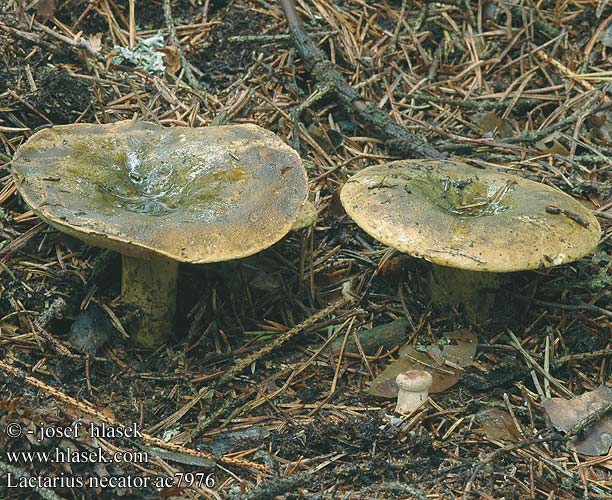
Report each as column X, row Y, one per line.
column 190, row 194
column 414, row 380
column 456, row 215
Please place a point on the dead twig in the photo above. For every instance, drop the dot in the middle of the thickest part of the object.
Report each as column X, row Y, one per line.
column 396, row 137
column 189, row 76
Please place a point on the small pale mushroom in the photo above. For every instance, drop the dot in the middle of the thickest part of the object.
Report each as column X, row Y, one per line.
column 413, row 389
column 470, row 223
column 160, row 196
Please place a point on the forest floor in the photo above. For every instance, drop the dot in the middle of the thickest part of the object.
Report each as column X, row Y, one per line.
column 521, row 88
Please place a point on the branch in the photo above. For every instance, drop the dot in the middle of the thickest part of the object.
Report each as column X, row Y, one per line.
column 396, row 137
column 189, row 76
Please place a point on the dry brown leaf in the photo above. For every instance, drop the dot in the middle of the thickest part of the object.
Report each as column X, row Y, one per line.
column 384, row 385
column 394, row 266
column 444, row 376
column 96, row 41
column 601, row 128
column 491, row 124
column 565, row 414
column 171, row 59
column 462, row 352
column 550, row 146
column 45, row 8
column 498, row 425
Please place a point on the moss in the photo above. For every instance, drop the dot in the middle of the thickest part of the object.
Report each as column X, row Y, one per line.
column 234, row 174
column 105, row 153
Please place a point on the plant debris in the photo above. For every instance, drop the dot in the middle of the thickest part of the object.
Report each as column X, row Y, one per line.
column 498, row 425
column 148, row 54
column 575, row 416
column 444, row 364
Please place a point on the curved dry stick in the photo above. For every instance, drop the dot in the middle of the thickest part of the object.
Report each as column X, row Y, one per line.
column 396, row 137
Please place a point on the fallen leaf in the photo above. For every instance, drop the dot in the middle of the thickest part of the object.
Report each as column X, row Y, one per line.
column 491, row 124
column 601, row 128
column 564, row 414
column 45, row 8
column 171, row 59
column 384, row 385
column 460, row 355
column 498, row 425
column 463, row 350
column 394, row 266
column 550, row 146
column 96, row 41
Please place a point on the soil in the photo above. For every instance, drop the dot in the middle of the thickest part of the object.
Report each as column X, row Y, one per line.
column 222, row 61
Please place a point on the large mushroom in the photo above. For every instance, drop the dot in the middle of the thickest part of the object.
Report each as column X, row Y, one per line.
column 468, row 222
column 160, row 196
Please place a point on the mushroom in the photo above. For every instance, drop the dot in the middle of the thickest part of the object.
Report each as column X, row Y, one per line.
column 469, row 223
column 413, row 390
column 160, row 196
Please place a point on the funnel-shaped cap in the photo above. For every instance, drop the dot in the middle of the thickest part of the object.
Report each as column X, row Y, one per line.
column 190, row 194
column 456, row 215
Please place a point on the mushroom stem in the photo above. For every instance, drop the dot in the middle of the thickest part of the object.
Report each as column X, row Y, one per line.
column 475, row 290
column 150, row 284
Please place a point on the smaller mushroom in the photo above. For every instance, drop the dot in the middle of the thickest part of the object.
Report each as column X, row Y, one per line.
column 413, row 388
